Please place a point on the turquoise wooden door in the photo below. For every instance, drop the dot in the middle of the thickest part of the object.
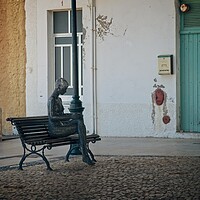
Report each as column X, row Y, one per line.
column 190, row 67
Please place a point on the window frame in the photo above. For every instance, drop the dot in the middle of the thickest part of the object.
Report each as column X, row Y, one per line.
column 52, row 57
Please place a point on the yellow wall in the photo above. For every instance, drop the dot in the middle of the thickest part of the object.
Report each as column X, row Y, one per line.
column 12, row 61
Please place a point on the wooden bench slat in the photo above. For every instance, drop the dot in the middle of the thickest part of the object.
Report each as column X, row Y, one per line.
column 27, row 118
column 32, row 133
column 37, row 137
column 33, row 130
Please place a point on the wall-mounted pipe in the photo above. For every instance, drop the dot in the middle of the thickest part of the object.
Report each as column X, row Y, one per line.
column 94, row 67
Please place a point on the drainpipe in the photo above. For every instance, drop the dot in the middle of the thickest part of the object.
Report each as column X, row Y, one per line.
column 94, row 67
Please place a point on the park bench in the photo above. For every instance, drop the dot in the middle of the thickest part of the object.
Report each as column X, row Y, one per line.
column 35, row 138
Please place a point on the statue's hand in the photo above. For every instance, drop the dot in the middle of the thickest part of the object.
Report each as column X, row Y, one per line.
column 73, row 115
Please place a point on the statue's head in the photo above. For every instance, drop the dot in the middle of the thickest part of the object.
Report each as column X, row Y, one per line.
column 61, row 85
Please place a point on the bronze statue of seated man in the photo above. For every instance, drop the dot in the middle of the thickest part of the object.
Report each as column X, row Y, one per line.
column 62, row 124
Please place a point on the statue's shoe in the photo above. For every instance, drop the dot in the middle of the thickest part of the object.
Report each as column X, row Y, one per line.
column 88, row 161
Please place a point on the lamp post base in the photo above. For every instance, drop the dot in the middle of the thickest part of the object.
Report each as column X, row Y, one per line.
column 76, row 105
column 75, row 149
column 76, row 108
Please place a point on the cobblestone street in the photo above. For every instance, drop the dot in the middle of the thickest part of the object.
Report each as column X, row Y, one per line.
column 113, row 177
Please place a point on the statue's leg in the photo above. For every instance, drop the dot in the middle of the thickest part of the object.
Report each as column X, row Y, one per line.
column 83, row 145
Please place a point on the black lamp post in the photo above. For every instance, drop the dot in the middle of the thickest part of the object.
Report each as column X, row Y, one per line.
column 76, row 104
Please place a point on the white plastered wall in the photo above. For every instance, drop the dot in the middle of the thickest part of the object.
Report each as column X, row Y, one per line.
column 129, row 36
column 138, row 31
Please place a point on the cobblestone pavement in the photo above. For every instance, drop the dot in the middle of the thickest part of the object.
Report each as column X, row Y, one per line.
column 113, row 177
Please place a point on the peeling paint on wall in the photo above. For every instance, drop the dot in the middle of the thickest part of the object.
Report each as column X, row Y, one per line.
column 84, row 38
column 158, row 111
column 89, row 5
column 153, row 110
column 84, row 34
column 158, row 86
column 125, row 31
column 103, row 26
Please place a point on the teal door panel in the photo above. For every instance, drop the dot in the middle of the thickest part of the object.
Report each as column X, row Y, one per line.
column 190, row 82
column 190, row 68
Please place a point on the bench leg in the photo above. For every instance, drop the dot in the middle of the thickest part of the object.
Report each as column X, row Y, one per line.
column 45, row 160
column 73, row 147
column 24, row 156
column 91, row 154
column 33, row 150
column 22, row 160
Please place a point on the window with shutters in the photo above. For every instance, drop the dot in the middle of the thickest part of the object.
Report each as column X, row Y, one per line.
column 191, row 18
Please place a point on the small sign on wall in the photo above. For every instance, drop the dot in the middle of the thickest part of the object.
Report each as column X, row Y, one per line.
column 165, row 64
